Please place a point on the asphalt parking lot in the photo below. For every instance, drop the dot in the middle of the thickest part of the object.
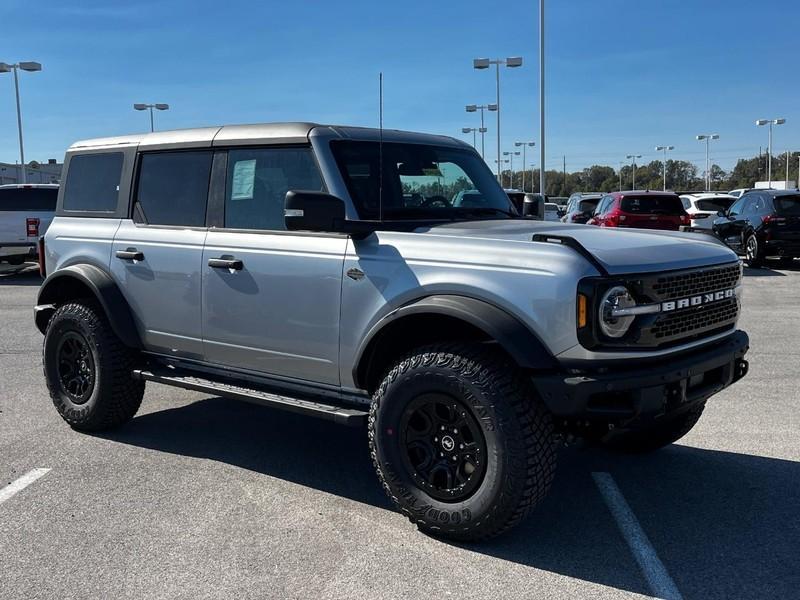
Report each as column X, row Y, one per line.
column 201, row 497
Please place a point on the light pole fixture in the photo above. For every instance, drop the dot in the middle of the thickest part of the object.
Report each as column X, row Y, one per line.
column 541, row 99
column 511, row 156
column 504, row 161
column 632, row 158
column 665, row 148
column 471, row 108
column 25, row 66
column 524, row 145
column 770, row 122
column 708, row 137
column 473, row 131
column 157, row 106
column 485, row 63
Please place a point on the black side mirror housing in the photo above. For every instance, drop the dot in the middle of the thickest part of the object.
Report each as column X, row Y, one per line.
column 313, row 211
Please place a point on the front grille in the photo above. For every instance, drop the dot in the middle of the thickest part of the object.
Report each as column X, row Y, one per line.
column 692, row 283
column 695, row 320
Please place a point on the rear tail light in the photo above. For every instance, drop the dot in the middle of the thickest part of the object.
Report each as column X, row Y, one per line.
column 687, row 220
column 772, row 219
column 613, row 218
column 32, row 226
column 42, row 269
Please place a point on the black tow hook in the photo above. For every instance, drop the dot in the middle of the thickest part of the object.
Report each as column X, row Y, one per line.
column 742, row 367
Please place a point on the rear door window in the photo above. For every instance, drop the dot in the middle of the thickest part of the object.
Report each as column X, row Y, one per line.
column 28, row 199
column 664, row 205
column 173, row 188
column 258, row 180
column 93, row 182
column 715, row 204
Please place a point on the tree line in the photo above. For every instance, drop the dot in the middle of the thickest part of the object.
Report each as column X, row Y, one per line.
column 681, row 176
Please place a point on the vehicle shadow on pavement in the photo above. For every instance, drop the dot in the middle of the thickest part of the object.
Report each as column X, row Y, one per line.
column 725, row 525
column 20, row 276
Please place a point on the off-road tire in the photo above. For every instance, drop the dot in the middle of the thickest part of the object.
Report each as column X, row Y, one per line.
column 649, row 439
column 754, row 259
column 115, row 396
column 517, row 429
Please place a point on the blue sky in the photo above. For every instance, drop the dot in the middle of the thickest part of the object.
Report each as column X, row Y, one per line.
column 623, row 75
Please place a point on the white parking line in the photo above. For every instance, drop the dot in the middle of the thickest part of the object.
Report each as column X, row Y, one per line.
column 653, row 569
column 21, row 483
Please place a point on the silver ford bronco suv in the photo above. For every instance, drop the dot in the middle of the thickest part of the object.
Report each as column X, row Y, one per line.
column 379, row 278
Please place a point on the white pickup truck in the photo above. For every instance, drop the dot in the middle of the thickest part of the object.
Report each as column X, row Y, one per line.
column 25, row 214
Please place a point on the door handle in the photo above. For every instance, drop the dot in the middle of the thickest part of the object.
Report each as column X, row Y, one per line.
column 226, row 262
column 130, row 254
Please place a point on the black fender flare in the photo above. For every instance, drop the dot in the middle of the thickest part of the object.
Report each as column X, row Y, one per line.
column 102, row 287
column 516, row 338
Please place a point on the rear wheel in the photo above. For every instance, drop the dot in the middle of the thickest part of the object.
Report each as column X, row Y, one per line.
column 753, row 254
column 656, row 436
column 460, row 441
column 88, row 369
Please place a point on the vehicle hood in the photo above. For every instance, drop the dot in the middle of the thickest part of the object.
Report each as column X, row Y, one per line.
column 618, row 250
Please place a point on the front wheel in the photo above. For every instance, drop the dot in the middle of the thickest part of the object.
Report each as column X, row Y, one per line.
column 752, row 252
column 88, row 369
column 460, row 442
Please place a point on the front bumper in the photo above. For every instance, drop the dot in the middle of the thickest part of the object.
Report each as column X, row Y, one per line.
column 623, row 394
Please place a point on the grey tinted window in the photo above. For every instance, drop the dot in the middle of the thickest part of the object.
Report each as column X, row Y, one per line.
column 737, row 206
column 38, row 199
column 173, row 188
column 258, row 180
column 93, row 182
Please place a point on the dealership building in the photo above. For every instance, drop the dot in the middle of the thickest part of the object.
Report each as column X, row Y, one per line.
column 49, row 172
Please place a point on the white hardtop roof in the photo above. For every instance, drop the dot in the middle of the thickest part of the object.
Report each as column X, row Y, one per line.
column 232, row 135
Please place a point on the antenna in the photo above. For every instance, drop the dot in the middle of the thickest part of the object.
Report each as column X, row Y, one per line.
column 380, row 146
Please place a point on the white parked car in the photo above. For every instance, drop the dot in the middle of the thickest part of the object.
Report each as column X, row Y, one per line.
column 25, row 213
column 737, row 193
column 703, row 208
column 551, row 212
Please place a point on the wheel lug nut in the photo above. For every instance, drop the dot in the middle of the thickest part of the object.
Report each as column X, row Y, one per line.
column 461, row 446
column 455, row 430
column 441, row 453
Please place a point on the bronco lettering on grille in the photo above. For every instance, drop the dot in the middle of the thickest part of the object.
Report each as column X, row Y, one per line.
column 697, row 300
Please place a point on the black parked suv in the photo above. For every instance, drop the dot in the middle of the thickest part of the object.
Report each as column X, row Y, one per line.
column 761, row 224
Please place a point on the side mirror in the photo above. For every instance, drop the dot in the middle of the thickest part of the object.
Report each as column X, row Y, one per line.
column 313, row 211
column 533, row 207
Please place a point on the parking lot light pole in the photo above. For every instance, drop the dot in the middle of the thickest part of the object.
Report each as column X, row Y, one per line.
column 708, row 137
column 770, row 122
column 483, row 130
column 25, row 66
column 541, row 99
column 473, row 131
column 524, row 159
column 511, row 156
column 484, row 63
column 505, row 161
column 633, row 158
column 665, row 148
column 157, row 106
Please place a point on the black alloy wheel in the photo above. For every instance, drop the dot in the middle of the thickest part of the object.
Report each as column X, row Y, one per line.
column 76, row 368
column 445, row 450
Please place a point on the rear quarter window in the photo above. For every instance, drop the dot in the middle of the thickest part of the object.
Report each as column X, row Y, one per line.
column 787, row 206
column 666, row 205
column 28, row 199
column 715, row 204
column 92, row 183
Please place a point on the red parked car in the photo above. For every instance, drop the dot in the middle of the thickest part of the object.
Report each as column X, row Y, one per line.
column 644, row 210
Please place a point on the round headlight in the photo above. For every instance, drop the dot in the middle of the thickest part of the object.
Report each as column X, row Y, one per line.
column 615, row 298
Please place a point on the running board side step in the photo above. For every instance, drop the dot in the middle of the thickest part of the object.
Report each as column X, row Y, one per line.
column 190, row 381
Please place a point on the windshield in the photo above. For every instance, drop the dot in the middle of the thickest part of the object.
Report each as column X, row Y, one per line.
column 787, row 206
column 420, row 182
column 665, row 205
column 715, row 204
